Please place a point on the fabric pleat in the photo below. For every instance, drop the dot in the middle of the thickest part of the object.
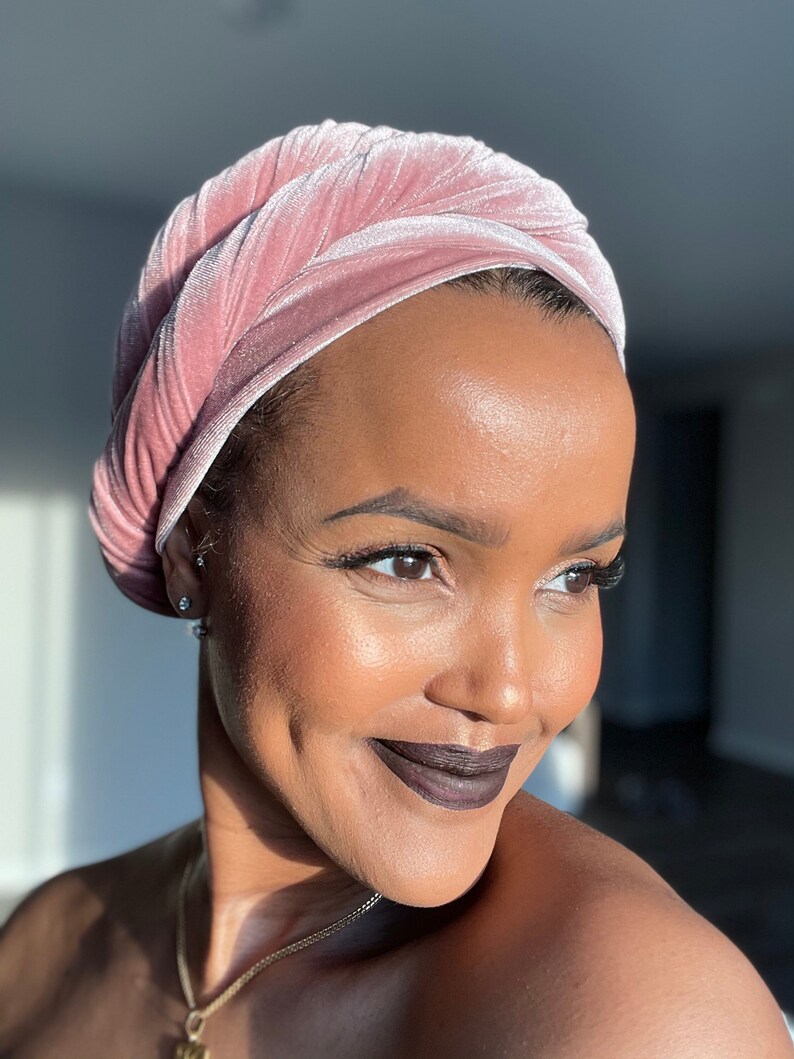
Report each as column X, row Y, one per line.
column 282, row 253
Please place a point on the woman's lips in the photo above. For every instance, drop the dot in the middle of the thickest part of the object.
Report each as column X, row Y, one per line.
column 446, row 774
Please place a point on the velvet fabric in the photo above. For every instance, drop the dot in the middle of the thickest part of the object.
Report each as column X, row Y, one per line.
column 282, row 253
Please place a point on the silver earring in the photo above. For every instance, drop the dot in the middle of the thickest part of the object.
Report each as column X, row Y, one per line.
column 199, row 628
column 185, row 603
column 200, row 563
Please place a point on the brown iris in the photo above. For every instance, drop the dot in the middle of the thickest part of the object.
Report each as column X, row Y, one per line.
column 409, row 566
column 578, row 581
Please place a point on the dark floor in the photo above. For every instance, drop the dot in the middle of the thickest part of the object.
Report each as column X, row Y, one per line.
column 722, row 834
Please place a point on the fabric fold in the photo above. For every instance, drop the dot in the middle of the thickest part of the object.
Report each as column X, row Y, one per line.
column 276, row 257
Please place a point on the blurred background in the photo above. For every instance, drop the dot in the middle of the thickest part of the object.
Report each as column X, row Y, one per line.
column 672, row 127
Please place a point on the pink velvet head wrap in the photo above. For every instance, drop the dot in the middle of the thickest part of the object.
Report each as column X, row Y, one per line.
column 298, row 242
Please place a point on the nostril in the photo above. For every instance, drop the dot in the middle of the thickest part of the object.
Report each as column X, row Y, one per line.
column 488, row 674
column 498, row 701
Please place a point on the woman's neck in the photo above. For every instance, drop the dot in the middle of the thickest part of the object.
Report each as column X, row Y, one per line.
column 259, row 882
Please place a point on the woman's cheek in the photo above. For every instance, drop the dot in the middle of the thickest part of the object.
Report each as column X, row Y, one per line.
column 322, row 653
column 569, row 675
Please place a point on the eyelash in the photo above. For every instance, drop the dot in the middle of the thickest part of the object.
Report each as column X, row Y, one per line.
column 366, row 557
column 603, row 575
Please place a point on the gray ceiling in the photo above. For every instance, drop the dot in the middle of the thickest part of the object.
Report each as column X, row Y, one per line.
column 671, row 124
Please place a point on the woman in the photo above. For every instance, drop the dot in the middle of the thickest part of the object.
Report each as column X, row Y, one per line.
column 372, row 434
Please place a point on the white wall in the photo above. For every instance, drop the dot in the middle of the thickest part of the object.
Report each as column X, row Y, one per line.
column 97, row 698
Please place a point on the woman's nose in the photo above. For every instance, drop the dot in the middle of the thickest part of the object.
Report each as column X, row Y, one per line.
column 489, row 669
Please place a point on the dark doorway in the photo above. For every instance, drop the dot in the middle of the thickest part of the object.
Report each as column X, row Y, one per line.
column 659, row 623
column 687, row 540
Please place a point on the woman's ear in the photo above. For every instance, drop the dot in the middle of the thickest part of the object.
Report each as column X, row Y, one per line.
column 184, row 565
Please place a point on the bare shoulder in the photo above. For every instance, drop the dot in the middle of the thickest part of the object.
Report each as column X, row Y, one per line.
column 64, row 924
column 41, row 940
column 607, row 960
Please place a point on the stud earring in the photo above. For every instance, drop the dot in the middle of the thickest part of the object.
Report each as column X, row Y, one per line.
column 200, row 563
column 185, row 603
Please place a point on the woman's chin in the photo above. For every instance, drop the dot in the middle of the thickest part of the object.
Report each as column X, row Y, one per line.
column 411, row 851
column 424, row 882
column 430, row 892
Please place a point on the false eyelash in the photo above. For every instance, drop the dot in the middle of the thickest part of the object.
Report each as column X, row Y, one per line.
column 604, row 575
column 364, row 557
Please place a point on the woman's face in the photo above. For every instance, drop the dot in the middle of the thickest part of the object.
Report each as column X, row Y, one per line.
column 401, row 574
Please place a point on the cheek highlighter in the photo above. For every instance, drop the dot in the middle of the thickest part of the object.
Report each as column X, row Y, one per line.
column 447, row 774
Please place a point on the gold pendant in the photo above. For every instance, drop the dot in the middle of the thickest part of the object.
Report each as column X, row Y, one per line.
column 191, row 1050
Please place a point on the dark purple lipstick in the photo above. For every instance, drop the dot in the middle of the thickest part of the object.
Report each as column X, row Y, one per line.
column 446, row 774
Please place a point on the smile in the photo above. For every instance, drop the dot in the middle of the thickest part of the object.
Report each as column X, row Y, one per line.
column 445, row 774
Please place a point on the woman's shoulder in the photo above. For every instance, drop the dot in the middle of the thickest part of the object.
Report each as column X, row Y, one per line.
column 600, row 957
column 48, row 936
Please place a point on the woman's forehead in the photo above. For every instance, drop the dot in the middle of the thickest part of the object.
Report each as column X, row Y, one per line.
column 470, row 398
column 482, row 364
column 444, row 329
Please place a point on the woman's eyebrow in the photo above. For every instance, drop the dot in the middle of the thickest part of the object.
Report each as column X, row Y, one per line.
column 586, row 541
column 402, row 502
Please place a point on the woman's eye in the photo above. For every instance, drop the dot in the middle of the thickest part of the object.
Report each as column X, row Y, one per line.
column 573, row 582
column 404, row 566
column 399, row 563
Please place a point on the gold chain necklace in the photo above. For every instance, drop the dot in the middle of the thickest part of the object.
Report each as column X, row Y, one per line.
column 192, row 1048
